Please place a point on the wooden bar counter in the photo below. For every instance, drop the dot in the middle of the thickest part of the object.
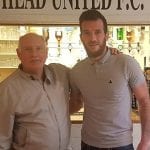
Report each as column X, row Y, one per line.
column 77, row 118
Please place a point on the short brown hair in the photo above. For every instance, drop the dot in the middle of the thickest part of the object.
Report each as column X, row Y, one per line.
column 92, row 14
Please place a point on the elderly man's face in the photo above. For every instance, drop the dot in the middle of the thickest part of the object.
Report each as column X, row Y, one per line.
column 32, row 53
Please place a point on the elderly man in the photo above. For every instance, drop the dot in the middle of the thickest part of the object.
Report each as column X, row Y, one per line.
column 34, row 101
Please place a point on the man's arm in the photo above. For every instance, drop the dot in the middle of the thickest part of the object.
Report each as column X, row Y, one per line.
column 6, row 117
column 142, row 95
column 6, row 127
column 75, row 102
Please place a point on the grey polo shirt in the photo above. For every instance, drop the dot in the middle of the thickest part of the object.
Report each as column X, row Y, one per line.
column 106, row 89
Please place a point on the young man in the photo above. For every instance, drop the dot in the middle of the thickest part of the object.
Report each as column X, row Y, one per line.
column 34, row 101
column 105, row 83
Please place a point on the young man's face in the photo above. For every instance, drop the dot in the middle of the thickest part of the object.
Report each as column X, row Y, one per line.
column 93, row 37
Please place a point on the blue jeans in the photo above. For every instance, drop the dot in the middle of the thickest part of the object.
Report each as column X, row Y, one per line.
column 85, row 146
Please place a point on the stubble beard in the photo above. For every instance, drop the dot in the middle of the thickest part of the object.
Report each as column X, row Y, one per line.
column 95, row 54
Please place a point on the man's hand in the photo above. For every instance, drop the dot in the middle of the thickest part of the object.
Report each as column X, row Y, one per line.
column 114, row 51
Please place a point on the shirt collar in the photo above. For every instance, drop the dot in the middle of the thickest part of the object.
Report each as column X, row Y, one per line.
column 48, row 74
column 103, row 59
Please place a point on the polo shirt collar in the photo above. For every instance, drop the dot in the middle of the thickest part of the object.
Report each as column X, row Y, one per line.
column 103, row 59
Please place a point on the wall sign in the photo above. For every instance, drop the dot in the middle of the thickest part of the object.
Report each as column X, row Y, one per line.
column 68, row 11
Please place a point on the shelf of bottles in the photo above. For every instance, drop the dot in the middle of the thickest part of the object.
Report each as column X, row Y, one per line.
column 8, row 43
column 132, row 40
column 65, row 46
